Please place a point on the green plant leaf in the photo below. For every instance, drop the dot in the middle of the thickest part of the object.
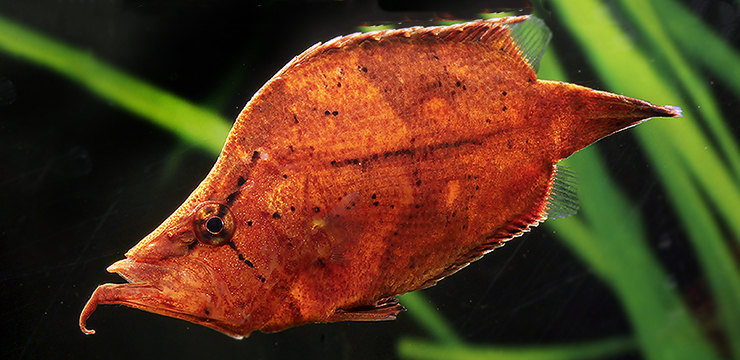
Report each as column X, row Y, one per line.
column 191, row 123
column 419, row 349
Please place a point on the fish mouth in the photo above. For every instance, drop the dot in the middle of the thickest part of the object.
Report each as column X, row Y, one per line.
column 136, row 272
column 185, row 290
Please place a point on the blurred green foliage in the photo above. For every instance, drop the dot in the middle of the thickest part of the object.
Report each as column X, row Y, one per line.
column 696, row 158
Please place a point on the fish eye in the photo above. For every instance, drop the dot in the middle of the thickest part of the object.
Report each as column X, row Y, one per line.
column 213, row 224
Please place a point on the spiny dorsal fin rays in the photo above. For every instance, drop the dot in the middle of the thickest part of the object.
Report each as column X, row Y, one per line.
column 531, row 39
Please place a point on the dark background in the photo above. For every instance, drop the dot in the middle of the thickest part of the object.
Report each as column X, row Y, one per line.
column 82, row 181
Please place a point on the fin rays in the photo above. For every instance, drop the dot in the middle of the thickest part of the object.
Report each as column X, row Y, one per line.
column 532, row 36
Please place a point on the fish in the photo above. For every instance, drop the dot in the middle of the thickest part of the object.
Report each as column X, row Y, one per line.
column 369, row 166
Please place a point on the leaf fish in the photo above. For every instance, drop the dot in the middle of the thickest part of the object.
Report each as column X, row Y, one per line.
column 369, row 166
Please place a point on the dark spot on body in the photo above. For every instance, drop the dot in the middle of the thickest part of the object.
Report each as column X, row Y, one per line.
column 458, row 84
column 249, row 263
column 393, row 206
column 291, row 148
column 504, row 108
column 255, row 156
column 376, row 203
column 418, row 182
column 321, row 262
column 327, row 112
column 249, row 223
column 292, row 208
column 206, row 312
column 285, row 176
column 262, row 278
column 339, row 84
column 316, row 209
column 241, row 257
column 276, row 215
column 230, row 199
column 417, row 206
column 295, row 119
column 395, row 233
column 241, row 181
column 503, row 93
column 375, row 196
column 335, row 113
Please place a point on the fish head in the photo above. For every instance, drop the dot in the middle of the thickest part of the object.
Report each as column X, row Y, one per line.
column 191, row 268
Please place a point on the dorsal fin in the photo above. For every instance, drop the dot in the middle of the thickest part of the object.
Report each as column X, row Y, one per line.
column 532, row 37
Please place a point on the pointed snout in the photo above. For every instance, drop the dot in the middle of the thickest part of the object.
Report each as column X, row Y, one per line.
column 168, row 240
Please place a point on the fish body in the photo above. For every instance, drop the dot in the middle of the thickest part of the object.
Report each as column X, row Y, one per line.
column 369, row 166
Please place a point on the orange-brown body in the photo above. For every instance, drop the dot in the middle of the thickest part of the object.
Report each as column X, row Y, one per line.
column 369, row 166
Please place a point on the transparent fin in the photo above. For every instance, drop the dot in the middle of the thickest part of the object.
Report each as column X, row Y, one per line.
column 563, row 199
column 674, row 110
column 343, row 225
column 532, row 37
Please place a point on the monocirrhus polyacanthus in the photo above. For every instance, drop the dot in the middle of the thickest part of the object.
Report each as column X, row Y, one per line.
column 369, row 166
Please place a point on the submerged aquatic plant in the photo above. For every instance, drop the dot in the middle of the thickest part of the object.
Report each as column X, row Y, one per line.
column 696, row 159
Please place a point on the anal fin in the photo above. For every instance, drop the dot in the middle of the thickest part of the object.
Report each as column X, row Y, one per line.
column 385, row 309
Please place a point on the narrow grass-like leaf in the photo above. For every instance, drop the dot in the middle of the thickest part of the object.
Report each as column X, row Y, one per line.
column 686, row 140
column 705, row 234
column 190, row 122
column 661, row 45
column 703, row 228
column 429, row 318
column 424, row 350
column 698, row 41
column 618, row 249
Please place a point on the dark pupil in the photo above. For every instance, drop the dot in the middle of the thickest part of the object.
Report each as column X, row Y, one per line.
column 214, row 225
